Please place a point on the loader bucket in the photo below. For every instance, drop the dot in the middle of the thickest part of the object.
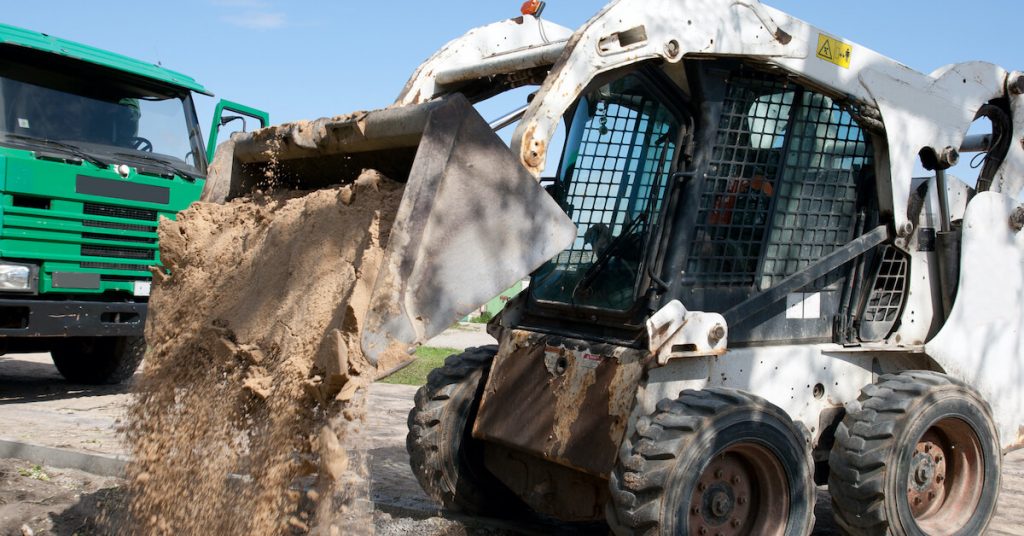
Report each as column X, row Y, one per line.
column 472, row 221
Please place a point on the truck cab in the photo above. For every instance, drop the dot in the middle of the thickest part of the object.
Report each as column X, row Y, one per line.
column 95, row 148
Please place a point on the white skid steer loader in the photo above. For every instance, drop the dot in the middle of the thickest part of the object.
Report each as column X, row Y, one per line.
column 738, row 288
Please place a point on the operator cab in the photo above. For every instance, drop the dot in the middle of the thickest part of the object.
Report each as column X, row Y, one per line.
column 709, row 182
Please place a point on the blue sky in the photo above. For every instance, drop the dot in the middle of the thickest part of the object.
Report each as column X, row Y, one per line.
column 303, row 59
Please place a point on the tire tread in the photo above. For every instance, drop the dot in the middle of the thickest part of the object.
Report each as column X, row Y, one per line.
column 641, row 477
column 446, row 385
column 865, row 443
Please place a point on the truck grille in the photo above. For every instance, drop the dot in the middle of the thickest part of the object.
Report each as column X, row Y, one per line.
column 99, row 236
column 117, row 242
column 94, row 209
column 112, row 225
column 118, row 251
column 114, row 266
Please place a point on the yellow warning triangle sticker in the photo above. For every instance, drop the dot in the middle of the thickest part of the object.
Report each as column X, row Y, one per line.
column 825, row 52
column 834, row 51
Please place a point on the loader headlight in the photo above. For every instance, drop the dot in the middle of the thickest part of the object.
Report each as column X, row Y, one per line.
column 18, row 277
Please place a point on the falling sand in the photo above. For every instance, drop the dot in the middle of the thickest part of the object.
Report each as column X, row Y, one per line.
column 246, row 416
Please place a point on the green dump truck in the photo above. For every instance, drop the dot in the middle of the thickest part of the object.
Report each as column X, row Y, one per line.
column 95, row 148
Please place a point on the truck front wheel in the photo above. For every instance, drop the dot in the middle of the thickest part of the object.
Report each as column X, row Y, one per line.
column 98, row 360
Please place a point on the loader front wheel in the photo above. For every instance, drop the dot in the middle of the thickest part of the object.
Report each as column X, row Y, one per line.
column 446, row 459
column 920, row 456
column 716, row 461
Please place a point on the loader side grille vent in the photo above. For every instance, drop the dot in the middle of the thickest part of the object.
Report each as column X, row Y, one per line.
column 888, row 291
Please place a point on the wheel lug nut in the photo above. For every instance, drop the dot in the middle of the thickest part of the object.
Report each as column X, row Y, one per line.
column 695, row 510
column 703, row 530
column 736, row 481
column 931, row 495
column 917, row 500
column 741, row 500
column 701, row 487
column 939, row 478
column 719, row 474
column 735, row 523
column 927, row 448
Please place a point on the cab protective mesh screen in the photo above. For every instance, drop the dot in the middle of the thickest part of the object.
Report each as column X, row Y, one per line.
column 781, row 187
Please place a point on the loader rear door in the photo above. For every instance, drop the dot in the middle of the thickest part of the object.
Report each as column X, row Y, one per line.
column 784, row 177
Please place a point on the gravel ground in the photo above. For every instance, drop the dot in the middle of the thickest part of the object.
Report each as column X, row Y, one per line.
column 37, row 407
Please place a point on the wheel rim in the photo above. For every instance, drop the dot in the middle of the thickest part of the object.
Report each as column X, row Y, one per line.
column 947, row 477
column 743, row 490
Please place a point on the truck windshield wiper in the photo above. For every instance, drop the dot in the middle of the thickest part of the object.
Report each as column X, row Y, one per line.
column 165, row 164
column 71, row 149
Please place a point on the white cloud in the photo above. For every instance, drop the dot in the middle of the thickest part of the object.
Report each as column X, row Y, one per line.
column 256, row 20
column 251, row 14
column 244, row 4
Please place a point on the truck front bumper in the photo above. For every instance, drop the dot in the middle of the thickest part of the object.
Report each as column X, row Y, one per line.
column 45, row 318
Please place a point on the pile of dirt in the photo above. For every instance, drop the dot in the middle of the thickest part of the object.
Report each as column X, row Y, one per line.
column 253, row 386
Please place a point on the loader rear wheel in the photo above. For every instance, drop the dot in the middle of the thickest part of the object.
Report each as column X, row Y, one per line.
column 98, row 360
column 716, row 461
column 445, row 458
column 920, row 456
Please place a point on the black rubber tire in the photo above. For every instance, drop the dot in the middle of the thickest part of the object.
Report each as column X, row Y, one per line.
column 98, row 360
column 872, row 456
column 447, row 461
column 658, row 468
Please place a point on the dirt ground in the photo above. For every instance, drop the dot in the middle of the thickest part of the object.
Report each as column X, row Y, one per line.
column 43, row 500
column 37, row 407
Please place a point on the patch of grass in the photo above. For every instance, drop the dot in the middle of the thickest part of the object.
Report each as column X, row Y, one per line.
column 427, row 359
column 484, row 318
column 34, row 472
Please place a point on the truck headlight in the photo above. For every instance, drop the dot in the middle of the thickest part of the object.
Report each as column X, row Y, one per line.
column 15, row 277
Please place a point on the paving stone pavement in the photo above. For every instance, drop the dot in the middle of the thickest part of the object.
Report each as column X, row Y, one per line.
column 38, row 407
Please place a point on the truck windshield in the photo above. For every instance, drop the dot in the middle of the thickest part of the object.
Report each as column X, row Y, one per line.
column 107, row 119
column 612, row 181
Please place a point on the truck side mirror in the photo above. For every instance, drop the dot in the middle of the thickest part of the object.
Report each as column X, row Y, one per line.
column 220, row 120
column 229, row 118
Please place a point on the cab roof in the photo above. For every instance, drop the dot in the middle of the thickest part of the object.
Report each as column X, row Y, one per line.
column 14, row 36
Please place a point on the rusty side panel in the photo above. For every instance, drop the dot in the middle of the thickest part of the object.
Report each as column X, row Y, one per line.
column 563, row 400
